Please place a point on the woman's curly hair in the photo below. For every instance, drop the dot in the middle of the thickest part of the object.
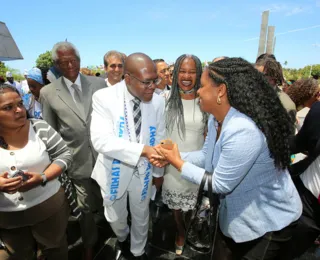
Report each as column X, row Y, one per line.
column 272, row 69
column 249, row 92
column 303, row 90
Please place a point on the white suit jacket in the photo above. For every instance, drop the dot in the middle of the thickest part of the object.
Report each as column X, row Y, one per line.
column 112, row 126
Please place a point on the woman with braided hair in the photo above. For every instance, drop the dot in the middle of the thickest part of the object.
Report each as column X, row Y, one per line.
column 247, row 149
column 185, row 125
column 272, row 69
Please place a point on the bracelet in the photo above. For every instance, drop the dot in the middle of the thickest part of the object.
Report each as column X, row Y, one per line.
column 180, row 169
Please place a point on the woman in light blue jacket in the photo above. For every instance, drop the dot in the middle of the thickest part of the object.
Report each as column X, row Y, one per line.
column 247, row 149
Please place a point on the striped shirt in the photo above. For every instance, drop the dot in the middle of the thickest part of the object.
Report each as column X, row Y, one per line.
column 59, row 154
column 57, row 149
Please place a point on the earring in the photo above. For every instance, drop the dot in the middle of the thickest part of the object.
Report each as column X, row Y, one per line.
column 219, row 100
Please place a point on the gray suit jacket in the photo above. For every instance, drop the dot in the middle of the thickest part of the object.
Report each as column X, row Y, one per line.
column 61, row 112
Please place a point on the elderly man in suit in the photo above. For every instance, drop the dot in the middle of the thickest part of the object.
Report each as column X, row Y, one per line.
column 127, row 120
column 66, row 106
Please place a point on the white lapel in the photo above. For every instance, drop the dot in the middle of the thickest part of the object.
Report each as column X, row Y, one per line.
column 128, row 113
column 148, row 120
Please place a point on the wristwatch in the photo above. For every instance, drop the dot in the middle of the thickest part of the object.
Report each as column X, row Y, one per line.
column 44, row 179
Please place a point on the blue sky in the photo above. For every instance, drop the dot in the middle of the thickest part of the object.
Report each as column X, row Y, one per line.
column 164, row 29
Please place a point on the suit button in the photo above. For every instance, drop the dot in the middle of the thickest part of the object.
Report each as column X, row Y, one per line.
column 13, row 168
column 11, row 153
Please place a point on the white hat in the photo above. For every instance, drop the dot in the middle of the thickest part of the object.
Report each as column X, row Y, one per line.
column 8, row 74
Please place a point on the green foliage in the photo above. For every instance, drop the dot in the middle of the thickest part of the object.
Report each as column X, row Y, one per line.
column 205, row 63
column 15, row 73
column 316, row 71
column 44, row 61
column 302, row 73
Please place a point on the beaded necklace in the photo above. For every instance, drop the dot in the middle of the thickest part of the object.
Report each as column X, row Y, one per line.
column 126, row 118
column 186, row 91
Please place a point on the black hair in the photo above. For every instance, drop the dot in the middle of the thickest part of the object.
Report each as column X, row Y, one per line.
column 272, row 69
column 219, row 58
column 174, row 105
column 250, row 93
column 156, row 61
column 265, row 56
column 5, row 86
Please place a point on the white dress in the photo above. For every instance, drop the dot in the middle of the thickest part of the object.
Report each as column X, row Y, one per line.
column 177, row 192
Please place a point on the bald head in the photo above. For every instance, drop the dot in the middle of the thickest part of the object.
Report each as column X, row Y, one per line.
column 139, row 70
column 138, row 62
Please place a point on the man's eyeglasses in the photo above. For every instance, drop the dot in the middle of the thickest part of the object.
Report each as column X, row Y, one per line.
column 65, row 64
column 148, row 84
column 114, row 66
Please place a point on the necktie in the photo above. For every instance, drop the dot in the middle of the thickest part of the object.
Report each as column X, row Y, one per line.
column 78, row 99
column 137, row 117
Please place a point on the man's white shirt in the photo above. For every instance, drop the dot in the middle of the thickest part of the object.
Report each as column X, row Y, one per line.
column 71, row 89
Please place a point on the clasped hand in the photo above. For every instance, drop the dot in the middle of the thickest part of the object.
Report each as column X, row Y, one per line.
column 12, row 185
column 165, row 156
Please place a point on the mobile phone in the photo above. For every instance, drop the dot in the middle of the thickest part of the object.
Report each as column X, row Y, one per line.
column 20, row 173
column 167, row 144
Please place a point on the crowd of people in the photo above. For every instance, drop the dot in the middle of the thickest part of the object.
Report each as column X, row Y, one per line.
column 80, row 146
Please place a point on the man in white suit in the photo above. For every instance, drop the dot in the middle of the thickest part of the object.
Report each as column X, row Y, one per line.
column 127, row 121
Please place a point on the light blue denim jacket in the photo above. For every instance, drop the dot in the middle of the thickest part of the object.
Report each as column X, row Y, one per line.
column 256, row 198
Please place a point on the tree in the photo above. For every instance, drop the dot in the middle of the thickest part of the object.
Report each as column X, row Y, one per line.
column 285, row 63
column 15, row 73
column 3, row 69
column 302, row 72
column 315, row 71
column 44, row 61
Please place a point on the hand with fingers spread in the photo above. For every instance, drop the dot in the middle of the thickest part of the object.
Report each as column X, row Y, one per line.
column 9, row 185
column 34, row 180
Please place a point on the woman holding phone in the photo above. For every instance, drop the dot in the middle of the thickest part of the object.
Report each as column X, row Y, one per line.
column 33, row 207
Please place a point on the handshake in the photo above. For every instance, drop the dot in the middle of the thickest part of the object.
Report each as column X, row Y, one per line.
column 162, row 154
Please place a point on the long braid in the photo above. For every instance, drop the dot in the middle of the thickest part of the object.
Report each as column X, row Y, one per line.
column 250, row 93
column 174, row 105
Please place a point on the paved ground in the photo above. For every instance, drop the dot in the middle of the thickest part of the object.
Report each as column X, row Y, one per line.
column 160, row 246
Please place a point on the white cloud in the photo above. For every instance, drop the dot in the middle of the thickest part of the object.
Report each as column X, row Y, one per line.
column 290, row 31
column 287, row 9
column 275, row 8
column 295, row 10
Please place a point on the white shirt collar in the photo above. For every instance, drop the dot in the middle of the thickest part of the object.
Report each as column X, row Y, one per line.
column 77, row 82
column 108, row 83
column 129, row 97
